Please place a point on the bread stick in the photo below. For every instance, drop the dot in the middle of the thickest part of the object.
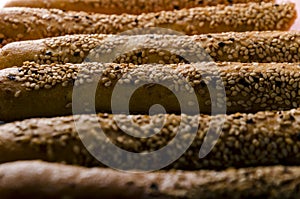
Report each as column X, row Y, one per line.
column 236, row 47
column 264, row 138
column 120, row 7
column 36, row 179
column 46, row 90
column 30, row 23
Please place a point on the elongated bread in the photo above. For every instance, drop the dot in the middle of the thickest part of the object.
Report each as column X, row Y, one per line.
column 264, row 138
column 120, row 7
column 36, row 179
column 35, row 90
column 30, row 23
column 240, row 47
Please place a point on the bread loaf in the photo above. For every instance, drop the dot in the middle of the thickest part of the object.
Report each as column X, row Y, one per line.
column 120, row 7
column 32, row 23
column 44, row 180
column 240, row 47
column 264, row 138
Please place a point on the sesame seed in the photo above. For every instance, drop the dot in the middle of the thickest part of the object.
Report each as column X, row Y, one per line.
column 17, row 94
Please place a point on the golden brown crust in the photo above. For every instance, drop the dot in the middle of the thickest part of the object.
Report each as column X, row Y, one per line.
column 31, row 23
column 264, row 138
column 122, row 6
column 267, row 47
column 35, row 179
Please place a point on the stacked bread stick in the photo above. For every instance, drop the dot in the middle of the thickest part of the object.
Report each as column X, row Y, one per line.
column 30, row 23
column 226, row 72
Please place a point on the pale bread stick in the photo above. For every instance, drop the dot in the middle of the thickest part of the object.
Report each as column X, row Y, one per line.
column 120, row 7
column 264, row 138
column 239, row 47
column 31, row 23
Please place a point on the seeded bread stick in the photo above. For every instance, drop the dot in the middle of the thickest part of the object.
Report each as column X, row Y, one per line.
column 267, row 46
column 35, row 90
column 264, row 138
column 120, row 7
column 36, row 179
column 32, row 23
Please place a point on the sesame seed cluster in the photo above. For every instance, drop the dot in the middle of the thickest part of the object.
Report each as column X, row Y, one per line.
column 245, row 141
column 32, row 23
column 35, row 77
